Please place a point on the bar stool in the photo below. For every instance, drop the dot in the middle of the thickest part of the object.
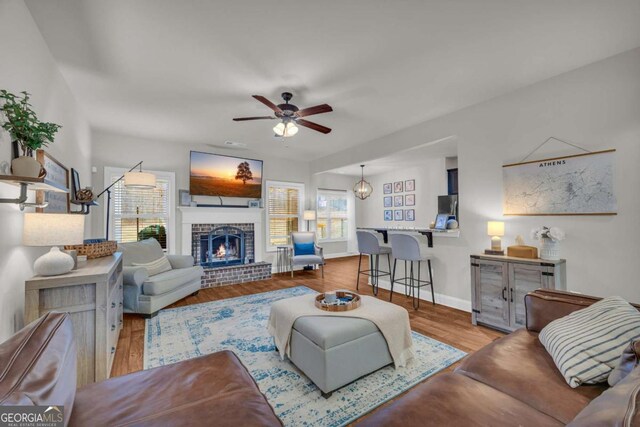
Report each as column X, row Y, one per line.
column 368, row 244
column 407, row 248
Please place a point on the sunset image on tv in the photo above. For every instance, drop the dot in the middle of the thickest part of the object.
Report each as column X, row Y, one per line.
column 217, row 175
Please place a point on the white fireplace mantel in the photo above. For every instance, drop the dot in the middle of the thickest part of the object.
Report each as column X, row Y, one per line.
column 195, row 215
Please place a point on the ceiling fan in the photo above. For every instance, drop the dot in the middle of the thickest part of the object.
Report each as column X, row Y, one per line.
column 290, row 116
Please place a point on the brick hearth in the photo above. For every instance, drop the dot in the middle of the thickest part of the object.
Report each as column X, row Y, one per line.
column 235, row 274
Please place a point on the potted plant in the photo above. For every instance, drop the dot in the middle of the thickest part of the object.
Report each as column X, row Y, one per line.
column 550, row 238
column 29, row 132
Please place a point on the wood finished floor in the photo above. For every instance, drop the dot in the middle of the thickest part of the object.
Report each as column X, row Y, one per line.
column 445, row 324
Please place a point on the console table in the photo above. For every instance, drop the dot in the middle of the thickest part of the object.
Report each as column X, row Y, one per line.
column 92, row 295
column 499, row 284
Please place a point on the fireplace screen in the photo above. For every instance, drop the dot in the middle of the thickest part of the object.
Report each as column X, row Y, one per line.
column 222, row 246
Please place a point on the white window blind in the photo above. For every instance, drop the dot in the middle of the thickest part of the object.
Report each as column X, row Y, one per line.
column 284, row 212
column 139, row 214
column 332, row 215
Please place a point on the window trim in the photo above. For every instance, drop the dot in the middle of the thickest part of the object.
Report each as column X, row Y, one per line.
column 330, row 240
column 301, row 203
column 171, row 223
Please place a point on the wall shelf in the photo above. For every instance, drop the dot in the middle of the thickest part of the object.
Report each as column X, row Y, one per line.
column 27, row 183
column 33, row 183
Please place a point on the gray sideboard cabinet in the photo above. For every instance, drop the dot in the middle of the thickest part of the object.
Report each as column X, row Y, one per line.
column 499, row 284
column 92, row 295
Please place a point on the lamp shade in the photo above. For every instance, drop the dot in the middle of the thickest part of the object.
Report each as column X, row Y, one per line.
column 495, row 228
column 52, row 229
column 309, row 215
column 138, row 179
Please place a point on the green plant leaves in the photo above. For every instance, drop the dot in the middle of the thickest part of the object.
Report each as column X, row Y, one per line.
column 23, row 124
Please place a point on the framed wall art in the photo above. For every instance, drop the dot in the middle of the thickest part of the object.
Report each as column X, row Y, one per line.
column 409, row 215
column 387, row 188
column 398, row 215
column 397, row 187
column 573, row 185
column 387, row 201
column 184, row 197
column 410, row 185
column 398, row 201
column 410, row 200
column 59, row 174
column 388, row 215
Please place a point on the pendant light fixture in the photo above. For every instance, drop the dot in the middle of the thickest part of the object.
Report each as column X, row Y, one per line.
column 362, row 189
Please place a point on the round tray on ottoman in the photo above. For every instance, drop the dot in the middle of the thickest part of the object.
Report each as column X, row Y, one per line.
column 354, row 301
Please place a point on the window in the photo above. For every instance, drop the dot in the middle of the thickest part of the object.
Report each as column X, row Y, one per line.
column 138, row 214
column 284, row 212
column 332, row 216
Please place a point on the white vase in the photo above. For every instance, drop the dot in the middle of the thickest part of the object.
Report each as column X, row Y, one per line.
column 53, row 263
column 26, row 166
column 549, row 250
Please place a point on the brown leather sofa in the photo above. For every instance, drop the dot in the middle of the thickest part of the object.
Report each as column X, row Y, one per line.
column 514, row 382
column 38, row 367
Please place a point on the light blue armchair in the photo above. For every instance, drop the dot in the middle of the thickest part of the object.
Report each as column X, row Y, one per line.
column 305, row 251
column 145, row 294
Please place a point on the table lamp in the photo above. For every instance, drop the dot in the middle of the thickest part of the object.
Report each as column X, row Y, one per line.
column 309, row 216
column 53, row 230
column 495, row 229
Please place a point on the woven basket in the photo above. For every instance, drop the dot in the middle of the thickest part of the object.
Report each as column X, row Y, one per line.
column 95, row 250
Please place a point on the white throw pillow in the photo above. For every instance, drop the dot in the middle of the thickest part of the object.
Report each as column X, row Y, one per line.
column 586, row 345
column 155, row 267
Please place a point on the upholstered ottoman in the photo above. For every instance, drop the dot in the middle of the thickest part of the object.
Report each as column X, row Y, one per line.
column 334, row 351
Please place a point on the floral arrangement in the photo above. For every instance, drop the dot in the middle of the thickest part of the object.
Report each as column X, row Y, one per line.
column 544, row 232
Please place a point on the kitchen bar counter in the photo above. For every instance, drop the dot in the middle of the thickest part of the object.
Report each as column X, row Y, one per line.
column 429, row 232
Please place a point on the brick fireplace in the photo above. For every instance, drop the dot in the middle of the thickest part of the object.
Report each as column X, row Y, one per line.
column 227, row 242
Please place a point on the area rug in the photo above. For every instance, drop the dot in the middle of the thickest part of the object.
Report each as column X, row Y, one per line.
column 240, row 325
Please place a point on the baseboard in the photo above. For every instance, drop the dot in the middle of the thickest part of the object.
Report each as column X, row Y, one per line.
column 340, row 255
column 274, row 266
column 425, row 295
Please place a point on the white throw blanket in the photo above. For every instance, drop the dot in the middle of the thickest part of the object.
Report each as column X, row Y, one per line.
column 391, row 319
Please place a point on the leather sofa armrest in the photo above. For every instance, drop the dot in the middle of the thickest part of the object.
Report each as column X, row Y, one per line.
column 134, row 276
column 544, row 306
column 181, row 261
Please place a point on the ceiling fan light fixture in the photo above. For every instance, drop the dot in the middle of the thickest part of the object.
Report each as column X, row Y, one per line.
column 362, row 189
column 279, row 129
column 285, row 129
column 291, row 129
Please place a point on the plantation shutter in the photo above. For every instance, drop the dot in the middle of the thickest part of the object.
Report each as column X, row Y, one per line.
column 332, row 215
column 140, row 214
column 284, row 202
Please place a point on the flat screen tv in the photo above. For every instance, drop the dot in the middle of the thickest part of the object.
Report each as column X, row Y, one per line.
column 225, row 176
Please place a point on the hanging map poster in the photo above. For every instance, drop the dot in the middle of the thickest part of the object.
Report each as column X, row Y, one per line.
column 572, row 185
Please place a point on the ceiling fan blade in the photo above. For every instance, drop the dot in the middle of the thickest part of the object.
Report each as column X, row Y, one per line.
column 268, row 103
column 241, row 119
column 313, row 126
column 318, row 109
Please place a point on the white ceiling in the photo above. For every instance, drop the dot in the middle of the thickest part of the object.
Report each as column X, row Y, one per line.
column 414, row 157
column 181, row 70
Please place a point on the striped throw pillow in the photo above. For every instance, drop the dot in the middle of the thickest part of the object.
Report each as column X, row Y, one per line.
column 586, row 345
column 158, row 266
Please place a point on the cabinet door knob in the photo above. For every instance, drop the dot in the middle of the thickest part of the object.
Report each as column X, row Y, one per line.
column 113, row 305
column 113, row 327
column 511, row 294
column 113, row 350
column 504, row 297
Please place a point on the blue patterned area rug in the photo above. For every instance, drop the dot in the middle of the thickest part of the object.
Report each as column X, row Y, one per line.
column 240, row 325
